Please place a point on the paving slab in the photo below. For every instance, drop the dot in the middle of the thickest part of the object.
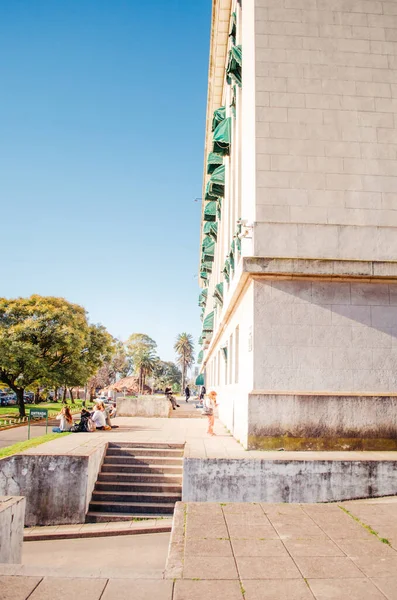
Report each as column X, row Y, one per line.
column 119, row 589
column 272, row 589
column 387, row 585
column 17, row 588
column 353, row 589
column 207, row 590
column 51, row 588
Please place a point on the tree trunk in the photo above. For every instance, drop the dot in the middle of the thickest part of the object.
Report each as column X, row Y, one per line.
column 64, row 395
column 21, row 404
column 37, row 395
column 183, row 373
column 55, row 394
column 71, row 394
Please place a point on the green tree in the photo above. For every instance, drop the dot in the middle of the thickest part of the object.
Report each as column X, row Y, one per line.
column 141, row 349
column 166, row 374
column 39, row 337
column 184, row 349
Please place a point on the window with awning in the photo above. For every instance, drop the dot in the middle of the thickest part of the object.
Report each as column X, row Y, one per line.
column 206, row 266
column 214, row 160
column 234, row 66
column 200, row 358
column 219, row 209
column 208, row 249
column 210, row 211
column 203, row 297
column 218, row 293
column 208, row 325
column 200, row 379
column 219, row 116
column 222, row 137
column 211, row 229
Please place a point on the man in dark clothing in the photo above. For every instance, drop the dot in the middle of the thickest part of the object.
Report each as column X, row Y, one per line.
column 187, row 393
column 202, row 392
column 168, row 393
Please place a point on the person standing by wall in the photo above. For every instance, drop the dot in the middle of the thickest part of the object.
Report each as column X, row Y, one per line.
column 209, row 410
column 187, row 393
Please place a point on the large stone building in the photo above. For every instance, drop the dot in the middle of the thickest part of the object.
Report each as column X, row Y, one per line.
column 299, row 230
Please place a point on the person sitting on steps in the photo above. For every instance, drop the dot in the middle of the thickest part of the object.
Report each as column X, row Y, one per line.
column 168, row 393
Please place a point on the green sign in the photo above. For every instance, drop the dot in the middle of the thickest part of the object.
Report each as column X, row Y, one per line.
column 38, row 414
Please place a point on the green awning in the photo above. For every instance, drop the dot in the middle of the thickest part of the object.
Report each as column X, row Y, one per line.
column 203, row 297
column 217, row 182
column 200, row 379
column 200, row 340
column 222, row 137
column 219, row 116
column 234, row 66
column 209, row 197
column 200, row 357
column 214, row 160
column 218, row 293
column 210, row 211
column 233, row 29
column 211, row 229
column 237, row 237
column 204, row 276
column 206, row 266
column 208, row 249
column 208, row 325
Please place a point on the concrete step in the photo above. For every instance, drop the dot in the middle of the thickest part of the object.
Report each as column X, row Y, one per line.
column 141, row 468
column 105, row 517
column 110, row 486
column 138, row 478
column 105, row 529
column 132, row 507
column 148, row 497
column 134, row 452
column 142, row 460
column 149, row 445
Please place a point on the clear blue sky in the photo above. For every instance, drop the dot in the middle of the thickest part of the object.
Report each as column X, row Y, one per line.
column 102, row 118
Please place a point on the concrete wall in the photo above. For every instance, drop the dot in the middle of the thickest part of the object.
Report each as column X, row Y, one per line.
column 12, row 513
column 236, row 480
column 326, row 132
column 325, row 336
column 143, row 406
column 232, row 396
column 57, row 488
column 318, row 422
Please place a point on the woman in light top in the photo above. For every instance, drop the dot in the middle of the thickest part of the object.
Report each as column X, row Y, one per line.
column 99, row 417
column 66, row 420
column 209, row 410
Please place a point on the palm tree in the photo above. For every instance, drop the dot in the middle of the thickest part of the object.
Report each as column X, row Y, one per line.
column 184, row 349
column 144, row 362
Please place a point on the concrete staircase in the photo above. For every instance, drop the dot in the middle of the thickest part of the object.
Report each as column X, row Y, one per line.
column 137, row 481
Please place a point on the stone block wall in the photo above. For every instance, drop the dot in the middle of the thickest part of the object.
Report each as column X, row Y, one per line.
column 12, row 514
column 326, row 128
column 325, row 336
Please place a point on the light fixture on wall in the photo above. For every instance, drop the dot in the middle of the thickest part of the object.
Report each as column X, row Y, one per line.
column 246, row 229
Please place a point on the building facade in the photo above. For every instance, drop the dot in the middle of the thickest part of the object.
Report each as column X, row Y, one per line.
column 298, row 244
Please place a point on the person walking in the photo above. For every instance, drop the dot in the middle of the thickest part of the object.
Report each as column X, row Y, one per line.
column 209, row 410
column 187, row 393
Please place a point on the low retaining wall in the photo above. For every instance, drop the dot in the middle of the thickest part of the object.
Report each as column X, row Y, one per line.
column 12, row 513
column 322, row 421
column 57, row 488
column 256, row 480
column 144, row 406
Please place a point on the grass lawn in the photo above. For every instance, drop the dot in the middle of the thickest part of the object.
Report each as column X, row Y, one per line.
column 21, row 446
column 13, row 410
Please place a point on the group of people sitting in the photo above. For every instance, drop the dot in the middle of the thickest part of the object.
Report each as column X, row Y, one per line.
column 98, row 418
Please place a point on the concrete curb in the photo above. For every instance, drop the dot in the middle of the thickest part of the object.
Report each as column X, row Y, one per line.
column 45, row 536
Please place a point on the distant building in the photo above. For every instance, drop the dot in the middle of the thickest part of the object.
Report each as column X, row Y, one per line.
column 299, row 231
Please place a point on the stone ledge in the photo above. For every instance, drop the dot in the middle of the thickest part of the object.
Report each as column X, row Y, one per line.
column 328, row 268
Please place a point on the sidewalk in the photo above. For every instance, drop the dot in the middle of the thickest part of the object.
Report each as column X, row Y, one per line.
column 276, row 552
